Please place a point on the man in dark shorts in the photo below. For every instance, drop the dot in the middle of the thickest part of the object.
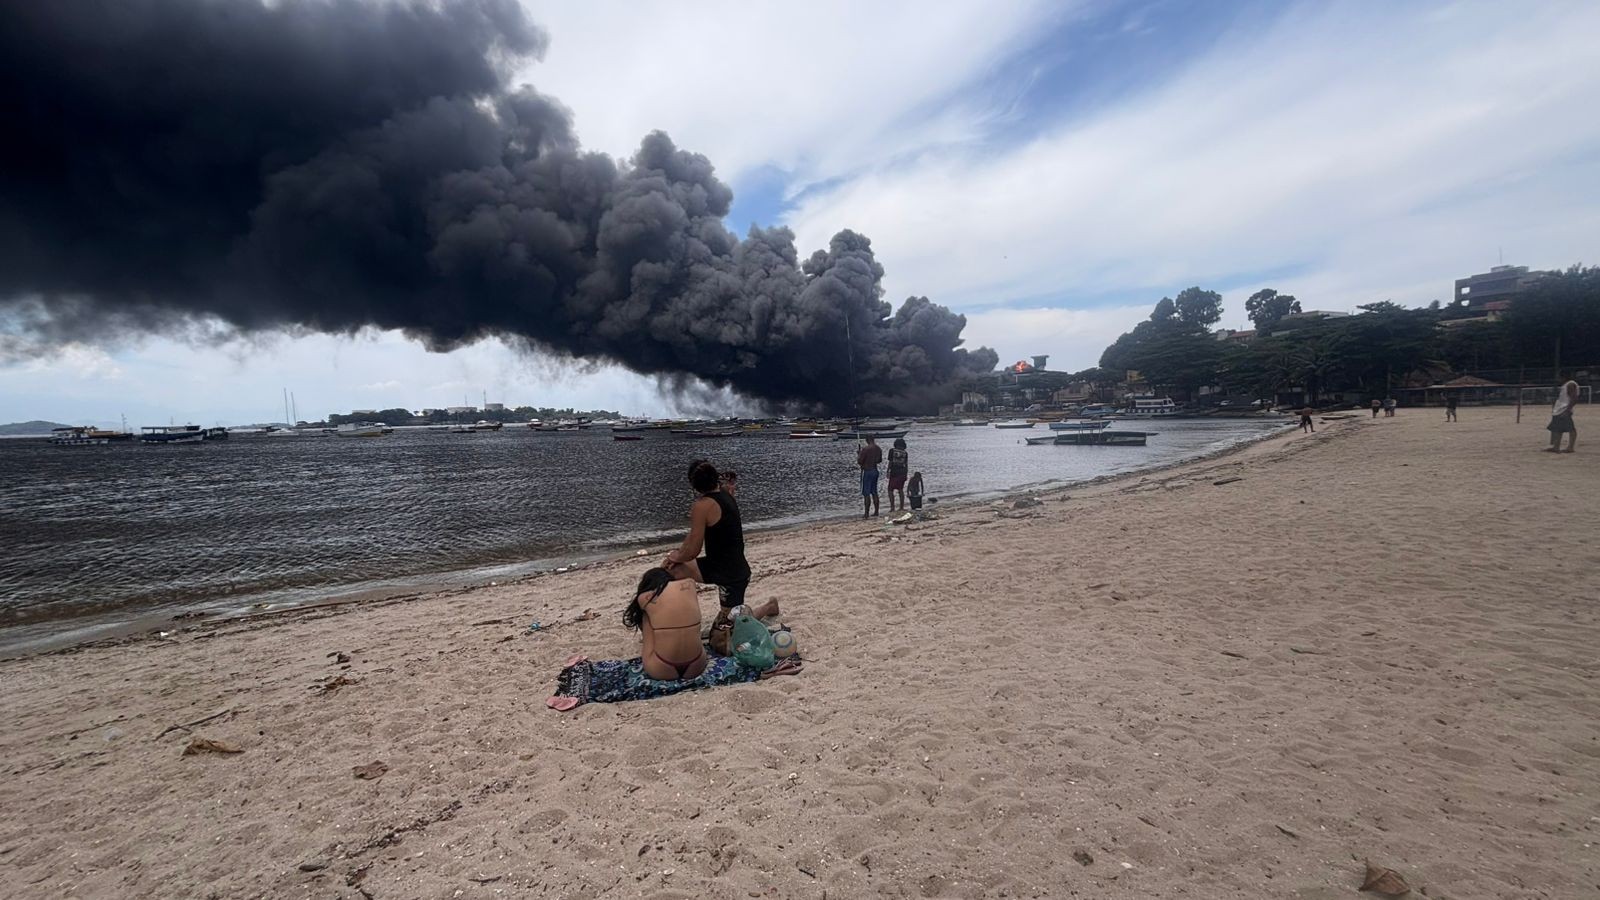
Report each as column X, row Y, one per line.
column 867, row 459
column 715, row 527
column 1450, row 407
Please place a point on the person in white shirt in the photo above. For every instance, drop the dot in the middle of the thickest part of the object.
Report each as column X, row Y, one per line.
column 1561, row 419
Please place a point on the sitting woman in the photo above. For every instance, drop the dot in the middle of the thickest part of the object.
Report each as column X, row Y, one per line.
column 669, row 614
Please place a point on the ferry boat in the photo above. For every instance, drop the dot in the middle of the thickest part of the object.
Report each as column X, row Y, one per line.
column 171, row 434
column 1150, row 408
column 77, row 436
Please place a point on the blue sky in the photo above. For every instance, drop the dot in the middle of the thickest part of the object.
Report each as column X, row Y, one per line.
column 1048, row 169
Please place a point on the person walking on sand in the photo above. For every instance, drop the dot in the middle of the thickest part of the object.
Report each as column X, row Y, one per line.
column 1450, row 408
column 1561, row 419
column 867, row 460
column 1305, row 420
column 899, row 467
column 1376, row 405
column 1389, row 404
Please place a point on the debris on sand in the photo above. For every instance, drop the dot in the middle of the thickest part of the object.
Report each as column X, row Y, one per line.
column 1384, row 882
column 207, row 745
column 1083, row 857
column 371, row 771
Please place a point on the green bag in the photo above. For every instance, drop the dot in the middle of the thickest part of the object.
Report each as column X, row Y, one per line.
column 752, row 644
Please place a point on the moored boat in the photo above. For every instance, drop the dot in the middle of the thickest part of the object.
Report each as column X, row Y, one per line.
column 717, row 433
column 1103, row 438
column 171, row 434
column 875, row 435
column 808, row 435
column 627, row 437
column 970, row 423
column 1149, row 408
column 76, row 436
column 1081, row 425
column 1013, row 424
column 1045, row 439
column 360, row 429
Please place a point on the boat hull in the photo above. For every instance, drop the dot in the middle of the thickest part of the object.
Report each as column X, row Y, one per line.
column 1103, row 438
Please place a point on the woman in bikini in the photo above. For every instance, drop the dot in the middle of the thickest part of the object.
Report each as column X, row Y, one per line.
column 668, row 613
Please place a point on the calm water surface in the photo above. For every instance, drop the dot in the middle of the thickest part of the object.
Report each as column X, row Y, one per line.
column 95, row 537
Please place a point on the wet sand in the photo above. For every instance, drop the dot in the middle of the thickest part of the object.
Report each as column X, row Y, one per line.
column 1378, row 644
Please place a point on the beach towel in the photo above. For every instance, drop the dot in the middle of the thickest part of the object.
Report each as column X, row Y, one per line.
column 614, row 680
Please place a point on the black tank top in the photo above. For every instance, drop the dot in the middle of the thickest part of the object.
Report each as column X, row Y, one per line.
column 725, row 540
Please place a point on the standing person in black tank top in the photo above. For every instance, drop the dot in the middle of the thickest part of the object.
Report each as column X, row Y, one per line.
column 715, row 527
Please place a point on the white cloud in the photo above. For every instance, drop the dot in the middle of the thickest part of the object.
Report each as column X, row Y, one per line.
column 1073, row 338
column 817, row 89
column 1380, row 152
column 389, row 385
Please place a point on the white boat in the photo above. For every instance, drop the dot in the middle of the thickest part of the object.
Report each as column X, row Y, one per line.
column 1149, row 408
column 360, row 429
column 1081, row 425
column 76, row 436
column 1015, row 423
column 809, row 435
column 971, row 423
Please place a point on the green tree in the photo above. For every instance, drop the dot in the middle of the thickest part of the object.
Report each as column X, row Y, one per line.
column 1198, row 307
column 1558, row 320
column 1266, row 308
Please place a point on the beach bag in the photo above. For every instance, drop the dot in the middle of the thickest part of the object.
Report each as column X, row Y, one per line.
column 752, row 643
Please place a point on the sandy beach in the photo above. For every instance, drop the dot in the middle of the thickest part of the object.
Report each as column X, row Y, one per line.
column 1378, row 643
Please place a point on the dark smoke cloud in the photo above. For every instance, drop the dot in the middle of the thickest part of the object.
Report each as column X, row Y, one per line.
column 334, row 165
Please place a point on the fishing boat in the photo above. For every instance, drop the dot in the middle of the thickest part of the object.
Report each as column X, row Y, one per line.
column 1103, row 438
column 970, row 423
column 879, row 426
column 1043, row 439
column 717, row 433
column 627, row 437
column 171, row 434
column 809, row 435
column 360, row 429
column 216, row 434
column 1081, row 425
column 1013, row 424
column 630, row 426
column 875, row 435
column 1150, row 408
column 1097, row 409
column 76, row 436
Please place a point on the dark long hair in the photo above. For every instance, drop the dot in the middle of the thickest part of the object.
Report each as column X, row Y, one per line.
column 703, row 476
column 653, row 582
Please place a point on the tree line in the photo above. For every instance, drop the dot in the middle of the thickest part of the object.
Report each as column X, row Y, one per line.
column 1551, row 326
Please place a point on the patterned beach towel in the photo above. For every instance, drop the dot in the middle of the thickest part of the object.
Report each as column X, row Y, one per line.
column 614, row 680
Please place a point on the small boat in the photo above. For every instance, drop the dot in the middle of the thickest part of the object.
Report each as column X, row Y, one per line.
column 1097, row 409
column 360, row 429
column 1013, row 424
column 882, row 425
column 171, row 434
column 482, row 425
column 627, row 437
column 535, row 423
column 630, row 426
column 970, row 423
column 858, row 435
column 808, row 435
column 1103, row 438
column 76, row 436
column 1038, row 441
column 216, row 434
column 1081, row 425
column 717, row 433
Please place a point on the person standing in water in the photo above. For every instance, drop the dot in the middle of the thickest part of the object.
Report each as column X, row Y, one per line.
column 899, row 468
column 715, row 527
column 1561, row 419
column 867, row 460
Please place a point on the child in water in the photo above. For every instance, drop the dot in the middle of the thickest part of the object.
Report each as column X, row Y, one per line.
column 914, row 490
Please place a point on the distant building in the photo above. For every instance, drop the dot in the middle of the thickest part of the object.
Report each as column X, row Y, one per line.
column 460, row 410
column 494, row 407
column 1500, row 283
column 1228, row 334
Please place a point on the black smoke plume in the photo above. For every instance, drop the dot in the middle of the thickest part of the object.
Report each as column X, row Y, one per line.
column 340, row 164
